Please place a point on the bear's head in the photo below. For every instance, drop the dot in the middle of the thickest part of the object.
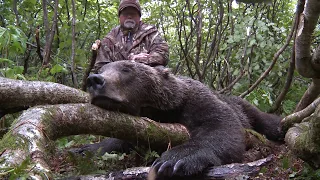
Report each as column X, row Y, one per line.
column 128, row 86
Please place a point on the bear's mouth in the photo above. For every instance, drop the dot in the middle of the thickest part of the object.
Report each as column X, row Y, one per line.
column 105, row 102
column 113, row 105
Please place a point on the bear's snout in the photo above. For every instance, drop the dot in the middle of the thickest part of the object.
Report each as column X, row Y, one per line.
column 95, row 82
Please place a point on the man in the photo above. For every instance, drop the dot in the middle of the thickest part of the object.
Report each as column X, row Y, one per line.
column 132, row 40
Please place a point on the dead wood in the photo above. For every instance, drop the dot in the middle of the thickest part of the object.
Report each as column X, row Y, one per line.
column 229, row 171
column 297, row 117
column 18, row 93
column 33, row 133
column 303, row 139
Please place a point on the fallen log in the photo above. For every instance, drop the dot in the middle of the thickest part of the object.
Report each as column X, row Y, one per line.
column 20, row 93
column 32, row 134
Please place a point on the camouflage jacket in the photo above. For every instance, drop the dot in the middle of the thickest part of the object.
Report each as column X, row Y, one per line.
column 147, row 39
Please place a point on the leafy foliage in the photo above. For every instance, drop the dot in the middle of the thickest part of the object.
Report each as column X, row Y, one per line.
column 212, row 41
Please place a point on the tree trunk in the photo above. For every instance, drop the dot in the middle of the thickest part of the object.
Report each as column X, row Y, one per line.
column 307, row 65
column 50, row 34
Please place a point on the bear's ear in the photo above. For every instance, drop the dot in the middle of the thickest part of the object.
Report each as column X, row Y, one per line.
column 165, row 72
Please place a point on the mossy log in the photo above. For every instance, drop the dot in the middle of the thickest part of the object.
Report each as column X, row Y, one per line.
column 32, row 134
column 304, row 139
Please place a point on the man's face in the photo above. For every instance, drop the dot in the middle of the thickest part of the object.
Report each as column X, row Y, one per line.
column 129, row 18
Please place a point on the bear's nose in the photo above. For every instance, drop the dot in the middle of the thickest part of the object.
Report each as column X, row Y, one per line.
column 95, row 81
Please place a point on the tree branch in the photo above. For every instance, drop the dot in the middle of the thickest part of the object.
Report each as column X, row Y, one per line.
column 94, row 54
column 297, row 117
column 310, row 95
column 73, row 46
column 292, row 63
column 274, row 60
column 34, row 131
column 305, row 64
column 17, row 93
column 50, row 36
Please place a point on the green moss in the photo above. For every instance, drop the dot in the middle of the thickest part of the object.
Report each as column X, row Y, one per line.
column 10, row 141
column 46, row 119
column 261, row 138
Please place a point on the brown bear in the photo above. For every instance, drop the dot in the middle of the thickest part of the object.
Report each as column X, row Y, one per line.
column 216, row 122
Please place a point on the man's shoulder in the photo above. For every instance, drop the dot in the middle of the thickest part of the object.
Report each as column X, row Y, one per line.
column 147, row 27
column 111, row 36
column 114, row 31
column 145, row 30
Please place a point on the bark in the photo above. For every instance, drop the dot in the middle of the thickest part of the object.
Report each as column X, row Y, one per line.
column 16, row 13
column 297, row 117
column 45, row 19
column 18, row 93
column 26, row 60
column 304, row 140
column 94, row 54
column 310, row 95
column 33, row 133
column 198, row 24
column 73, row 48
column 99, row 20
column 38, row 43
column 306, row 64
column 50, row 35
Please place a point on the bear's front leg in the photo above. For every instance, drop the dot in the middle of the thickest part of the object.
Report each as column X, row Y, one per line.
column 204, row 149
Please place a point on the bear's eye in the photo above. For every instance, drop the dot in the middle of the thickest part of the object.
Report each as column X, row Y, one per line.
column 125, row 69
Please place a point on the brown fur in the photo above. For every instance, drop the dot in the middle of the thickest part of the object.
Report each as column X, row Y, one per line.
column 216, row 122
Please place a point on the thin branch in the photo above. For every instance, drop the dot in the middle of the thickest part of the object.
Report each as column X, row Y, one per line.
column 73, row 46
column 16, row 13
column 292, row 63
column 38, row 43
column 94, row 49
column 274, row 60
column 297, row 117
column 47, row 50
column 310, row 95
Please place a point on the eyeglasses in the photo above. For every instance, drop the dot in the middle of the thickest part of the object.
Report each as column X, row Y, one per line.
column 129, row 13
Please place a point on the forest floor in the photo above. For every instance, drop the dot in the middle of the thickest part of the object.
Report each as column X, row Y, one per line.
column 284, row 165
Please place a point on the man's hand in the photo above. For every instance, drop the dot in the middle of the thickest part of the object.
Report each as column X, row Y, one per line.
column 96, row 45
column 141, row 58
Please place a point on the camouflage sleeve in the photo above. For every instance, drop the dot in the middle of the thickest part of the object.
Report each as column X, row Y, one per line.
column 159, row 50
column 103, row 56
column 106, row 50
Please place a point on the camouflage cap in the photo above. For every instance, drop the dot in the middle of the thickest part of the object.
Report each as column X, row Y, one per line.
column 129, row 3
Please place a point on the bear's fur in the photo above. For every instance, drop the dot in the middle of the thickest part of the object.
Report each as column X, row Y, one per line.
column 216, row 122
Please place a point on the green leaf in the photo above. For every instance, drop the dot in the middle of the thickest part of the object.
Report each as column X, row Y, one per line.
column 20, row 76
column 4, row 60
column 57, row 69
column 2, row 31
column 18, row 69
column 9, row 73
